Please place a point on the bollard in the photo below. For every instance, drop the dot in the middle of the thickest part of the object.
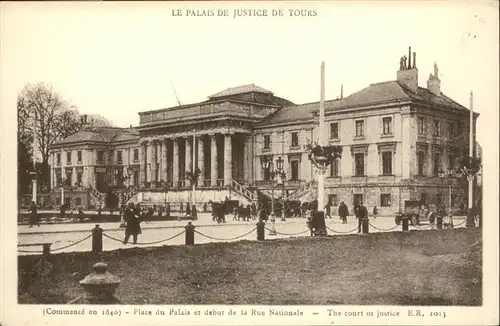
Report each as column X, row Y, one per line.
column 319, row 224
column 100, row 286
column 261, row 230
column 97, row 239
column 189, row 234
column 439, row 222
column 365, row 226
column 405, row 222
column 46, row 249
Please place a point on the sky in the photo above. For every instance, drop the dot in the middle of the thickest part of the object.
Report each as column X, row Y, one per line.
column 117, row 59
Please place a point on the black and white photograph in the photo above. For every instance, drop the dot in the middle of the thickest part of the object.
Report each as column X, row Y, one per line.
column 249, row 163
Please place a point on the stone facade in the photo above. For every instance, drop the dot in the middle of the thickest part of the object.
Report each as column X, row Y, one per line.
column 395, row 136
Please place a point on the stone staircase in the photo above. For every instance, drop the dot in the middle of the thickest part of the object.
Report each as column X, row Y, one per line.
column 99, row 196
column 129, row 193
column 303, row 190
column 242, row 190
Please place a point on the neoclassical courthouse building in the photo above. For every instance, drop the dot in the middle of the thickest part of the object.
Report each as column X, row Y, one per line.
column 396, row 136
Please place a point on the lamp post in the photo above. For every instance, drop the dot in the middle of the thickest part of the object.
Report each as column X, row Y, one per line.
column 267, row 164
column 279, row 171
column 449, row 175
column 126, row 178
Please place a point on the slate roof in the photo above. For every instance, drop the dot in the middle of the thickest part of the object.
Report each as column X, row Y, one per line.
column 379, row 93
column 241, row 90
column 101, row 135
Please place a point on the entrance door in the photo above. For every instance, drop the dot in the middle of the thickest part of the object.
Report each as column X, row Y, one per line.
column 295, row 170
column 357, row 199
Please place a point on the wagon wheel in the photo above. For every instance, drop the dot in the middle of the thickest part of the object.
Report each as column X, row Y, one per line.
column 414, row 220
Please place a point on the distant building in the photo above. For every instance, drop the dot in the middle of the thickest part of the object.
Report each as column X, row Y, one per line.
column 396, row 137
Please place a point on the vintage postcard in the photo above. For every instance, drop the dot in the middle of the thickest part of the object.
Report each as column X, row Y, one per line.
column 249, row 163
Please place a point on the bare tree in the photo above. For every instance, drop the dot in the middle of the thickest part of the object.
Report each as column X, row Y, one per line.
column 44, row 115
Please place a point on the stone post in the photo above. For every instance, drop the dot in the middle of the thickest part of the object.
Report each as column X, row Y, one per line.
column 100, row 286
column 261, row 230
column 189, row 234
column 213, row 161
column 228, row 159
column 97, row 239
column 175, row 162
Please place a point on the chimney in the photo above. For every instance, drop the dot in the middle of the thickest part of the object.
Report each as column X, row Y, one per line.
column 408, row 73
column 434, row 83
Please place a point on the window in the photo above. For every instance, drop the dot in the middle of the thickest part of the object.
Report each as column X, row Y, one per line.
column 334, row 130
column 385, row 200
column 68, row 157
column 69, row 176
column 437, row 128
column 359, row 161
column 421, row 125
column 357, row 199
column 78, row 201
column 135, row 177
column 423, row 198
column 387, row 126
column 267, row 142
column 79, row 178
column 332, row 199
column 100, row 156
column 421, row 162
column 295, row 170
column 136, row 155
column 387, row 163
column 451, row 161
column 360, row 125
column 58, row 158
column 437, row 164
column 119, row 156
column 334, row 168
column 79, row 156
column 295, row 139
column 58, row 177
column 267, row 175
column 451, row 129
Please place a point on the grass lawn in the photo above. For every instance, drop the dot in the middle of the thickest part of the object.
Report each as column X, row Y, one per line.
column 436, row 267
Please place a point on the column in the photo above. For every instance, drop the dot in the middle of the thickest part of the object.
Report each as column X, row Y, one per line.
column 247, row 160
column 142, row 163
column 228, row 159
column 154, row 163
column 201, row 161
column 175, row 162
column 163, row 174
column 213, row 161
column 189, row 162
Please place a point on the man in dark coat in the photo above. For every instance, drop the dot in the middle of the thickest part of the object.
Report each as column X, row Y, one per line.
column 362, row 215
column 34, row 215
column 133, row 224
column 343, row 212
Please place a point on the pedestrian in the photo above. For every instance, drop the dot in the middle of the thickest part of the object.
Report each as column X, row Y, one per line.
column 63, row 210
column 167, row 211
column 188, row 209
column 309, row 225
column 182, row 208
column 253, row 210
column 356, row 213
column 204, row 207
column 375, row 211
column 362, row 215
column 33, row 219
column 262, row 214
column 81, row 216
column 194, row 213
column 343, row 212
column 328, row 210
column 133, row 221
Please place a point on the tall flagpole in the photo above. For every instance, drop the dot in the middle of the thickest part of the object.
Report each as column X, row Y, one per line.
column 471, row 148
column 321, row 138
column 34, row 185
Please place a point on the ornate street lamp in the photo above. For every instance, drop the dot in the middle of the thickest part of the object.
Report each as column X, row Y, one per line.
column 267, row 164
column 279, row 171
column 449, row 174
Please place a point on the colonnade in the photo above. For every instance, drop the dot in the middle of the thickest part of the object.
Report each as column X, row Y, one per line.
column 156, row 163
